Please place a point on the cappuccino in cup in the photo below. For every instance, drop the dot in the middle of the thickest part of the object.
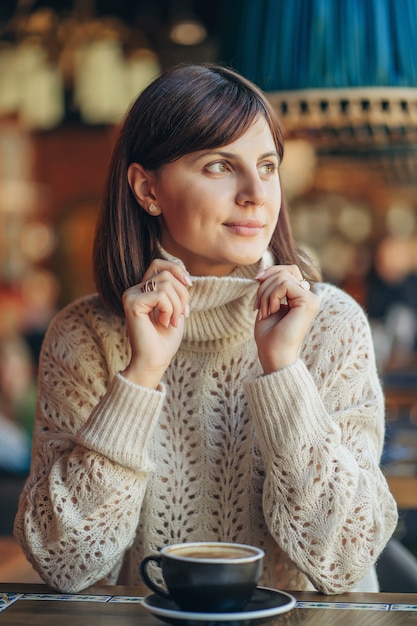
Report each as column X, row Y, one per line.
column 210, row 577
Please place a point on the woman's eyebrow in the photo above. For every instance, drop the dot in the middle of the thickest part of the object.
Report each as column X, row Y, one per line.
column 233, row 155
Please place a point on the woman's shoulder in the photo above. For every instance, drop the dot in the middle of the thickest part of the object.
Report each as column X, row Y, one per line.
column 338, row 304
column 87, row 312
column 329, row 293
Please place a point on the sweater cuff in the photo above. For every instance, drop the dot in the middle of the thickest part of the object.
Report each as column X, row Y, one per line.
column 122, row 423
column 286, row 406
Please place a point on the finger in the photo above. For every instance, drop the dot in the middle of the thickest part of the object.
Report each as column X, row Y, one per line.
column 166, row 299
column 276, row 272
column 270, row 296
column 272, row 270
column 158, row 266
column 165, row 279
column 277, row 290
column 173, row 304
column 168, row 309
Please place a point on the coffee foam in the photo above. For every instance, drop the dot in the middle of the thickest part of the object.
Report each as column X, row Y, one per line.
column 211, row 551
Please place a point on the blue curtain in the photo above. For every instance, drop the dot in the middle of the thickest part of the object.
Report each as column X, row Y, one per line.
column 299, row 44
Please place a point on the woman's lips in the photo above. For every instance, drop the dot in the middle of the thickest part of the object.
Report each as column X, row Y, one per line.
column 246, row 228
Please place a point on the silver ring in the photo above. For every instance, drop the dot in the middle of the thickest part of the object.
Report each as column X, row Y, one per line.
column 304, row 284
column 150, row 285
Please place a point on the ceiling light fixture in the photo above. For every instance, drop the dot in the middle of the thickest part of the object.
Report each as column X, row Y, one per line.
column 186, row 28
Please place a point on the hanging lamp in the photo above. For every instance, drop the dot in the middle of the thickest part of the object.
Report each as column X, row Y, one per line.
column 342, row 73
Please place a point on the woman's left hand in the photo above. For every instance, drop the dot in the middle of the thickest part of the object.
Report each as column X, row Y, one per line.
column 286, row 307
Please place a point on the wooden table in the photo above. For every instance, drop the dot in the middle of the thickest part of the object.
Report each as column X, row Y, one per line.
column 120, row 612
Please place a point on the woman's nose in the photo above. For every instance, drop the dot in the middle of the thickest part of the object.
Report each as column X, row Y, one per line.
column 251, row 190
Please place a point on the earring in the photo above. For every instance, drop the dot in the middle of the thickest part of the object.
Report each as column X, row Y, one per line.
column 153, row 209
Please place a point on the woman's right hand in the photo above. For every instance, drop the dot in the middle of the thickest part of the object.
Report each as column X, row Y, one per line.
column 155, row 321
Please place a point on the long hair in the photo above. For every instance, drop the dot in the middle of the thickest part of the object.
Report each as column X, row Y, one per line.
column 186, row 109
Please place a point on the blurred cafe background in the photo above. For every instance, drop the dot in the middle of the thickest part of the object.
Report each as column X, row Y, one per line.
column 342, row 75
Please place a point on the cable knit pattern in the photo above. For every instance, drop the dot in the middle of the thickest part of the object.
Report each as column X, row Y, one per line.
column 288, row 462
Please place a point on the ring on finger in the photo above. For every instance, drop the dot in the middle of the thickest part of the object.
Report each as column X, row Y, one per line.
column 150, row 285
column 304, row 284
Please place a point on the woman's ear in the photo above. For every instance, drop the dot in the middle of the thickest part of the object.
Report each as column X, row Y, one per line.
column 141, row 182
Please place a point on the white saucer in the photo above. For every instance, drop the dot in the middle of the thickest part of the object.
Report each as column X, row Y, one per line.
column 264, row 604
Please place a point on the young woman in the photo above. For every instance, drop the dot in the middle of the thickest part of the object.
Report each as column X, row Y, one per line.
column 207, row 392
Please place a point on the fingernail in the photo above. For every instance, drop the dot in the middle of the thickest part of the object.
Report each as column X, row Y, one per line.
column 259, row 315
column 188, row 280
column 260, row 273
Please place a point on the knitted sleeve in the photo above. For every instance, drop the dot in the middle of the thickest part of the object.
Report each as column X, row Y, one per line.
column 320, row 423
column 80, row 506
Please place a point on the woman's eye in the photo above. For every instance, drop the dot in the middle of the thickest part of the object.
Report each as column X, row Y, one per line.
column 267, row 168
column 219, row 167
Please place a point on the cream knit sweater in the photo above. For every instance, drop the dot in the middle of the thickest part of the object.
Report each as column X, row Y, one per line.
column 288, row 462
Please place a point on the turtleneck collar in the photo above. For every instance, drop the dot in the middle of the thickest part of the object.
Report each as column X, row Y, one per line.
column 221, row 307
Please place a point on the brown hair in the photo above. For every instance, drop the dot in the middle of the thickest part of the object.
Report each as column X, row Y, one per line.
column 188, row 108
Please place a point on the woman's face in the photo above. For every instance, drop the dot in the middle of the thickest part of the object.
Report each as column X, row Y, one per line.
column 219, row 207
